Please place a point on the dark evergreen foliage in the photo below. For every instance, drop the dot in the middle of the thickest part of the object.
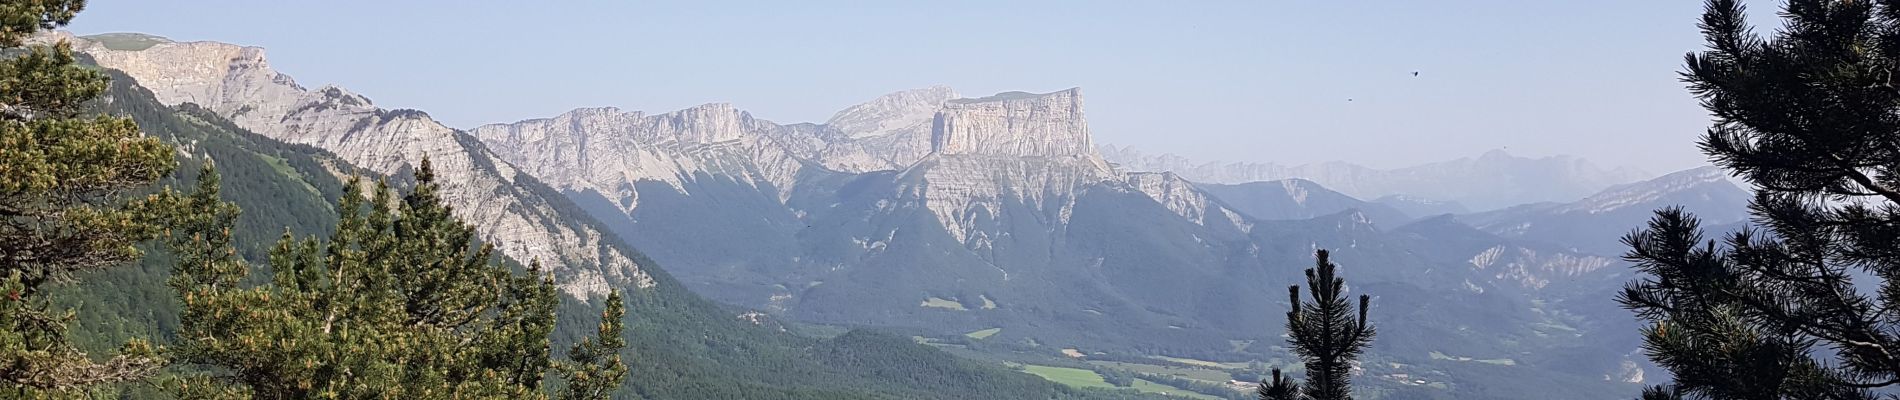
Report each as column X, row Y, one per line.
column 1279, row 388
column 66, row 208
column 1809, row 116
column 597, row 371
column 1325, row 334
column 1660, row 393
column 399, row 301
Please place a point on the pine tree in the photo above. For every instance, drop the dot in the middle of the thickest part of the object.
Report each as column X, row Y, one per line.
column 1810, row 116
column 399, row 302
column 1325, row 335
column 1279, row 388
column 596, row 370
column 63, row 204
column 1660, row 393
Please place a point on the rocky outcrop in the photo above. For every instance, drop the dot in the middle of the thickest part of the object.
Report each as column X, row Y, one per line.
column 238, row 83
column 1014, row 124
column 890, row 132
column 908, row 112
column 1531, row 269
column 1010, row 148
column 608, row 151
column 982, row 153
column 1185, row 199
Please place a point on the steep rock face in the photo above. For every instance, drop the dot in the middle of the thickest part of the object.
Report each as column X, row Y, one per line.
column 905, row 112
column 962, row 189
column 1031, row 149
column 608, row 151
column 238, row 83
column 1186, row 199
column 1493, row 180
column 1015, row 124
column 888, row 133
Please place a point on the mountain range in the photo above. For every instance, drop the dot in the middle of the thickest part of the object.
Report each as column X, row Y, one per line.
column 507, row 208
column 993, row 226
column 1597, row 223
column 287, row 173
column 1493, row 180
column 1013, row 223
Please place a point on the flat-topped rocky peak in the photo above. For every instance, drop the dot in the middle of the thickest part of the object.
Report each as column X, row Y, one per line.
column 210, row 74
column 702, row 124
column 705, row 123
column 1014, row 124
column 128, row 41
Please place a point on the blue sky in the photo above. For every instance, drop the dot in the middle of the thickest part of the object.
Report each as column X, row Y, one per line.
column 1236, row 81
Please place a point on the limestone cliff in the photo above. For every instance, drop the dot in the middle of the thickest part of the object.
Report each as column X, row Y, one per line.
column 608, row 151
column 887, row 133
column 1015, row 124
column 238, row 83
column 1010, row 148
column 1185, row 199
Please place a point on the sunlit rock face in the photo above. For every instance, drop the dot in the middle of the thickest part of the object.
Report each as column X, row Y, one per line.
column 887, row 133
column 1014, row 124
column 238, row 83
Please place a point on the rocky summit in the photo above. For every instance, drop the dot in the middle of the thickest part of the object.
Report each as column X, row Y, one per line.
column 237, row 83
column 1014, row 124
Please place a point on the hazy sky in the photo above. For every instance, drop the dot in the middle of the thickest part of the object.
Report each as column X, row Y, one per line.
column 1237, row 81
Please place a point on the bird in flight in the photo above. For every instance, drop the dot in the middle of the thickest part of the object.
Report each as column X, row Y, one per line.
column 1414, row 73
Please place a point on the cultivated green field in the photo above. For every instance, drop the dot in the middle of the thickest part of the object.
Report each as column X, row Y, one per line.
column 1151, row 387
column 1204, row 363
column 1083, row 378
column 1069, row 376
column 1199, row 374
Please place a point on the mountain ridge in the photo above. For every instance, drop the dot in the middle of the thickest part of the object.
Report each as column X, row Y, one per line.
column 1595, row 223
column 1044, row 243
column 238, row 83
column 1042, row 240
column 1491, row 180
